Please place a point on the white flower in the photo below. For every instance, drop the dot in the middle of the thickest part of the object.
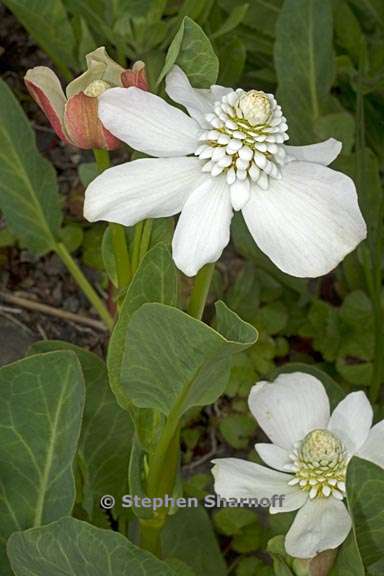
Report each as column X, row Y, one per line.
column 311, row 449
column 228, row 154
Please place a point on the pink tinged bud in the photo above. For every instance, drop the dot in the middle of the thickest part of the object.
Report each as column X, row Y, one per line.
column 135, row 76
column 75, row 120
column 44, row 87
column 83, row 125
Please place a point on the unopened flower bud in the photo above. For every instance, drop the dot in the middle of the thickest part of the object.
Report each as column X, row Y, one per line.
column 74, row 115
column 136, row 76
column 254, row 106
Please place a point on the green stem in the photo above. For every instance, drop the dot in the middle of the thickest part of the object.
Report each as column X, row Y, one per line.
column 102, row 159
column 161, row 478
column 200, row 291
column 150, row 537
column 119, row 241
column 145, row 239
column 163, row 465
column 82, row 281
column 136, row 246
column 120, row 249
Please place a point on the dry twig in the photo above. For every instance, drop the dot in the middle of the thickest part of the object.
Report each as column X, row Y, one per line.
column 51, row 311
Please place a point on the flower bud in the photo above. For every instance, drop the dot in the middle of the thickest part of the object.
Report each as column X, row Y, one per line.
column 254, row 106
column 74, row 115
column 135, row 77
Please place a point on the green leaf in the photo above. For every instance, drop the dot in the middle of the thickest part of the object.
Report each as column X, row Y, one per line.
column 355, row 371
column 87, row 172
column 335, row 393
column 235, row 18
column 244, row 295
column 49, row 26
column 323, row 325
column 190, row 359
column 6, row 238
column 304, row 64
column 106, row 433
column 339, row 125
column 276, row 549
column 243, row 376
column 230, row 521
column 348, row 560
column 139, row 8
column 40, row 417
column 28, row 187
column 85, row 41
column 155, row 281
column 72, row 236
column 251, row 566
column 162, row 231
column 192, row 50
column 188, row 536
column 365, row 496
column 237, row 429
column 370, row 192
column 95, row 18
column 250, row 539
column 69, row 547
column 232, row 55
column 373, row 8
column 271, row 318
column 261, row 14
column 181, row 568
column 92, row 243
column 348, row 30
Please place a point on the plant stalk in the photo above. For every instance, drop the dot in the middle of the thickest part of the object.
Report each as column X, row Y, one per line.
column 145, row 239
column 200, row 291
column 119, row 241
column 136, row 246
column 85, row 286
column 161, row 482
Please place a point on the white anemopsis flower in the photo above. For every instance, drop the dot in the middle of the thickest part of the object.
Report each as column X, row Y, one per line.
column 228, row 154
column 310, row 449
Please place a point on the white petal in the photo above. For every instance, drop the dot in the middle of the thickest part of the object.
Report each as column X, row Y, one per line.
column 151, row 187
column 351, row 421
column 289, row 500
column 196, row 101
column 240, row 193
column 202, row 231
column 307, row 221
column 235, row 478
column 321, row 524
column 274, row 456
column 322, row 153
column 373, row 447
column 218, row 92
column 147, row 123
column 290, row 407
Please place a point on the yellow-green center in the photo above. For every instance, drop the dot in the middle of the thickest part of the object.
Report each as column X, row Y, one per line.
column 319, row 463
column 96, row 88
